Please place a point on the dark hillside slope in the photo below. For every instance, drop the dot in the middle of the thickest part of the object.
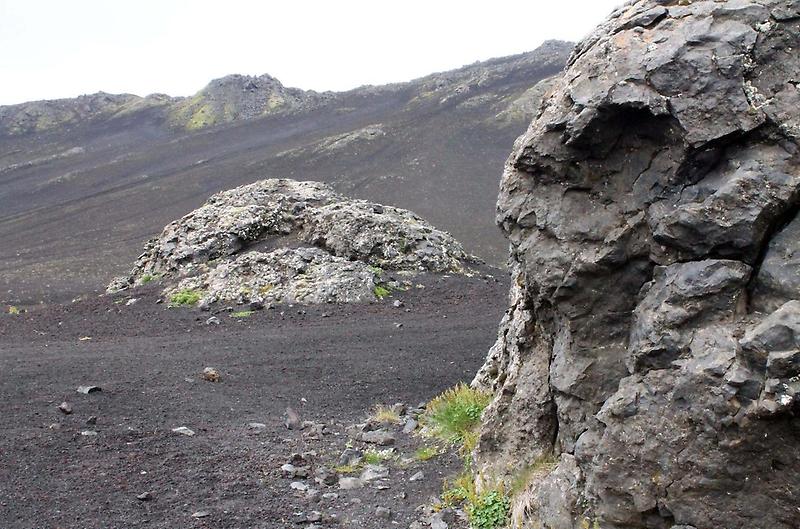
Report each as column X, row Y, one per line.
column 79, row 195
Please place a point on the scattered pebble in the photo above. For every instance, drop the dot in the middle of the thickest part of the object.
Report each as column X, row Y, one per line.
column 419, row 476
column 201, row 514
column 213, row 320
column 397, row 303
column 65, row 408
column 348, row 483
column 298, row 485
column 88, row 389
column 210, row 374
column 144, row 496
column 410, row 426
column 350, row 457
column 183, row 430
column 373, row 472
column 383, row 512
column 88, row 433
column 378, row 437
column 91, row 420
column 292, row 419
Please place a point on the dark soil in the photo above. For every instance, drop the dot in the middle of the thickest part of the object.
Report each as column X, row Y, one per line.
column 331, row 363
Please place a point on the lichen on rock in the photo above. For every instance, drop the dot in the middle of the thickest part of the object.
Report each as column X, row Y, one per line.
column 280, row 240
column 651, row 343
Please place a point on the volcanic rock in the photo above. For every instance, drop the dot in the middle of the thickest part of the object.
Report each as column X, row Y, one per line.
column 286, row 241
column 652, row 340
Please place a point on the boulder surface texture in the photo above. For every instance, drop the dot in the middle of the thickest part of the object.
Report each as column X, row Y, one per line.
column 281, row 240
column 652, row 345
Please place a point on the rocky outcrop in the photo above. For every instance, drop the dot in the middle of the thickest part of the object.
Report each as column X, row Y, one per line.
column 241, row 97
column 652, row 340
column 281, row 240
column 45, row 116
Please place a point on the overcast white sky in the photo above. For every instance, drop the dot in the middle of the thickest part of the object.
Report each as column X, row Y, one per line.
column 64, row 48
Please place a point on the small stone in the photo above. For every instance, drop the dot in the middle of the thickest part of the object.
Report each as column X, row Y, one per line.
column 398, row 325
column 325, row 477
column 348, row 483
column 256, row 305
column 383, row 512
column 301, row 460
column 91, row 420
column 443, row 518
column 314, row 516
column 88, row 389
column 144, row 496
column 373, row 472
column 256, row 425
column 378, row 437
column 288, row 470
column 292, row 419
column 330, row 496
column 88, row 433
column 183, row 430
column 350, row 457
column 131, row 301
column 312, row 495
column 201, row 514
column 210, row 374
column 397, row 303
column 203, row 305
column 438, row 523
column 419, row 476
column 65, row 408
column 213, row 320
column 410, row 426
column 298, row 485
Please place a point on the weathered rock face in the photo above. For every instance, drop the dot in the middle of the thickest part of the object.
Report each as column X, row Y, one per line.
column 287, row 241
column 652, row 342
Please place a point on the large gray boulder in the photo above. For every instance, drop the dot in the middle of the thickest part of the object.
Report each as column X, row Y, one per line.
column 281, row 240
column 652, row 341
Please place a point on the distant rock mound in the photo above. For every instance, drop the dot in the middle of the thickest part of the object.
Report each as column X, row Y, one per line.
column 281, row 240
column 653, row 340
column 240, row 97
column 45, row 116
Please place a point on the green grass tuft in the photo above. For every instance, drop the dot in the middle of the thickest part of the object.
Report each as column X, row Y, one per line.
column 186, row 297
column 14, row 310
column 381, row 291
column 347, row 469
column 385, row 415
column 426, row 453
column 375, row 457
column 454, row 416
column 242, row 314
